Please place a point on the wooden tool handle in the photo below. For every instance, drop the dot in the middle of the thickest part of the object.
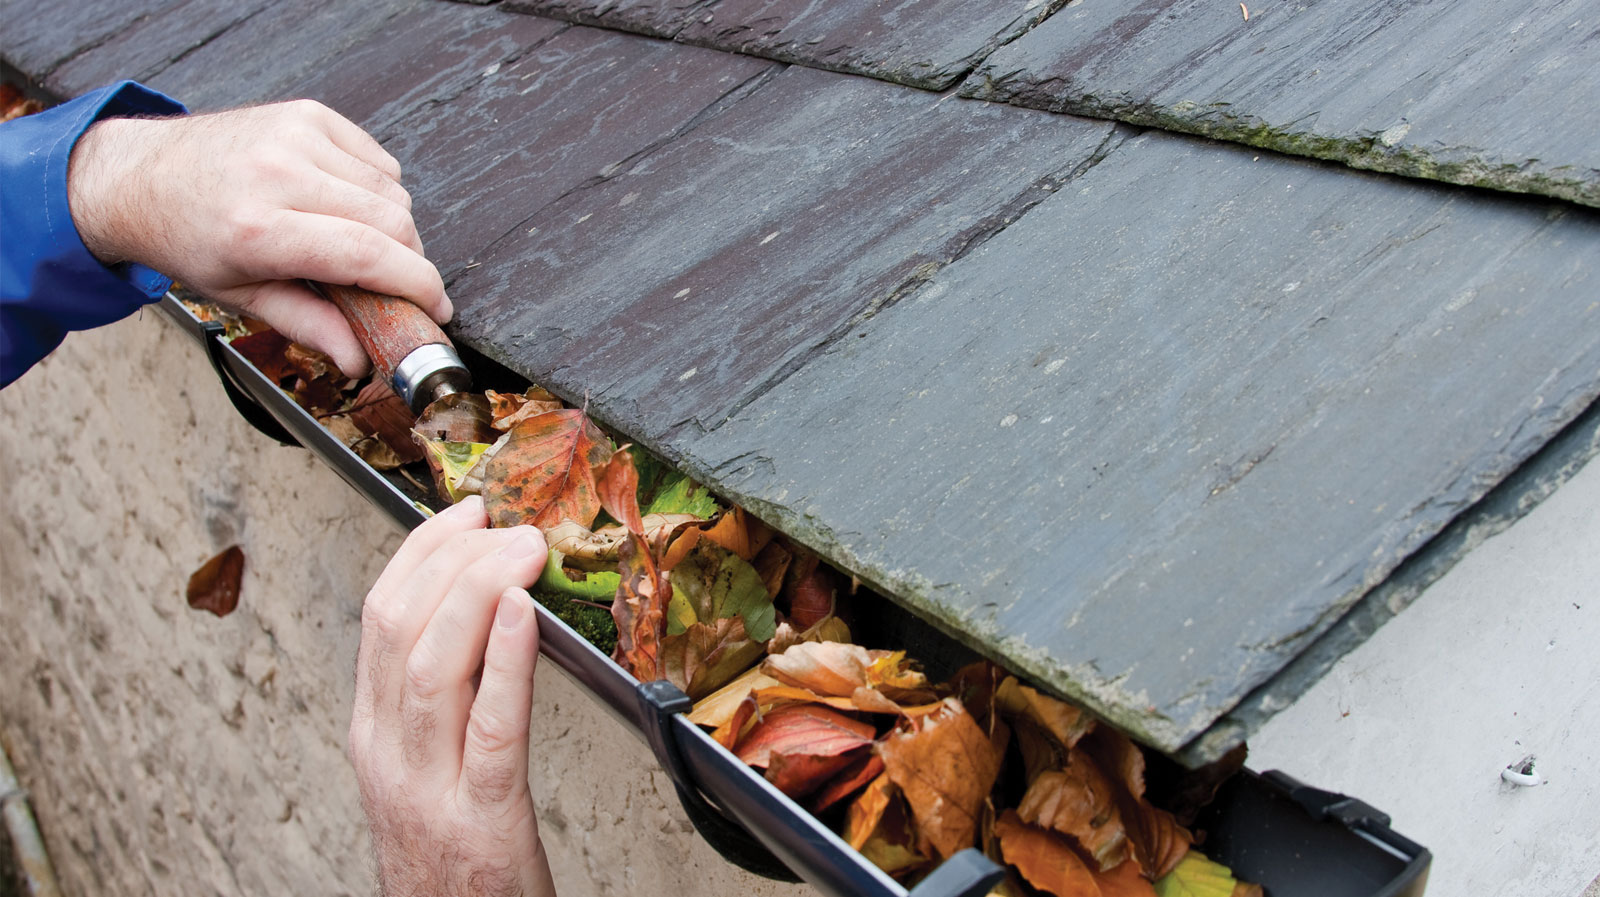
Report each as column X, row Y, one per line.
column 388, row 327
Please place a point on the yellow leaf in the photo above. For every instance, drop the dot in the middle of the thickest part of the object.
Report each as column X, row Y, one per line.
column 452, row 461
column 1197, row 876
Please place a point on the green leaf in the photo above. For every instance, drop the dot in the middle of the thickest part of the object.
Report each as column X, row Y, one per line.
column 663, row 490
column 680, row 612
column 717, row 583
column 1196, row 876
column 598, row 586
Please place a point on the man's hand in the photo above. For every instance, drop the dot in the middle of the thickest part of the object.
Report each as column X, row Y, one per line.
column 441, row 756
column 240, row 206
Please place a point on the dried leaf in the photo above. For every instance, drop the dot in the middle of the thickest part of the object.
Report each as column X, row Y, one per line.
column 735, row 530
column 268, row 351
column 618, row 487
column 545, row 473
column 713, row 583
column 1064, row 723
column 945, row 766
column 450, row 462
column 381, row 414
column 215, row 586
column 1198, row 876
column 879, row 827
column 862, row 769
column 458, row 417
column 1080, row 802
column 803, row 772
column 707, row 656
column 1045, row 859
column 1158, row 841
column 1186, row 791
column 717, row 708
column 507, row 409
column 771, row 564
column 811, row 597
column 321, row 385
column 803, row 728
column 836, row 669
column 639, row 610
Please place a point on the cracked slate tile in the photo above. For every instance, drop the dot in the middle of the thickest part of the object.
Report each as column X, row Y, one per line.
column 930, row 44
column 1505, row 96
column 1148, row 441
column 688, row 282
column 559, row 116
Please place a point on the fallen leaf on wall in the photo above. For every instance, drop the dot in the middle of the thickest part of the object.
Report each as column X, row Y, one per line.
column 215, row 586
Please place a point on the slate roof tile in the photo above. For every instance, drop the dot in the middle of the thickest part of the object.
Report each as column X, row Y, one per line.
column 672, row 291
column 929, row 44
column 1499, row 95
column 1235, row 390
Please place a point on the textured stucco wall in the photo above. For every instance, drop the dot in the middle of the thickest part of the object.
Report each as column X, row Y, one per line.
column 172, row 752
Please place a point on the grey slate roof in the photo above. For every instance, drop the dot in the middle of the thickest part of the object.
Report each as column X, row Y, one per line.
column 1163, row 421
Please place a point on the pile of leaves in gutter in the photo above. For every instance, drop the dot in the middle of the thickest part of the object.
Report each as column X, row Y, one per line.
column 751, row 626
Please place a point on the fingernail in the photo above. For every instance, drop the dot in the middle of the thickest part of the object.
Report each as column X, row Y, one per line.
column 513, row 607
column 524, row 545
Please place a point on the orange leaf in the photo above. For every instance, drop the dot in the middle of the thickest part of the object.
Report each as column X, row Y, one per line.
column 715, row 709
column 1045, row 859
column 1124, row 881
column 946, row 766
column 1064, row 722
column 215, row 586
column 640, row 611
column 811, row 596
column 803, row 728
column 877, row 826
column 861, row 771
column 545, row 472
column 802, row 772
column 619, row 491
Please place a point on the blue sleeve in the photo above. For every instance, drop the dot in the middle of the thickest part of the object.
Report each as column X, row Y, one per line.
column 49, row 283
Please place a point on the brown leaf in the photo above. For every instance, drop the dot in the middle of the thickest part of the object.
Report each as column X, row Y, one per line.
column 1158, row 841
column 458, row 417
column 772, row 563
column 545, row 473
column 267, row 350
column 639, row 610
column 381, row 414
column 215, row 586
column 1186, row 791
column 1062, row 721
column 811, row 597
column 862, row 769
column 877, row 825
column 321, row 384
column 1125, row 881
column 1045, row 859
column 706, row 656
column 619, row 491
column 803, row 728
column 1081, row 803
column 506, row 409
column 945, row 765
